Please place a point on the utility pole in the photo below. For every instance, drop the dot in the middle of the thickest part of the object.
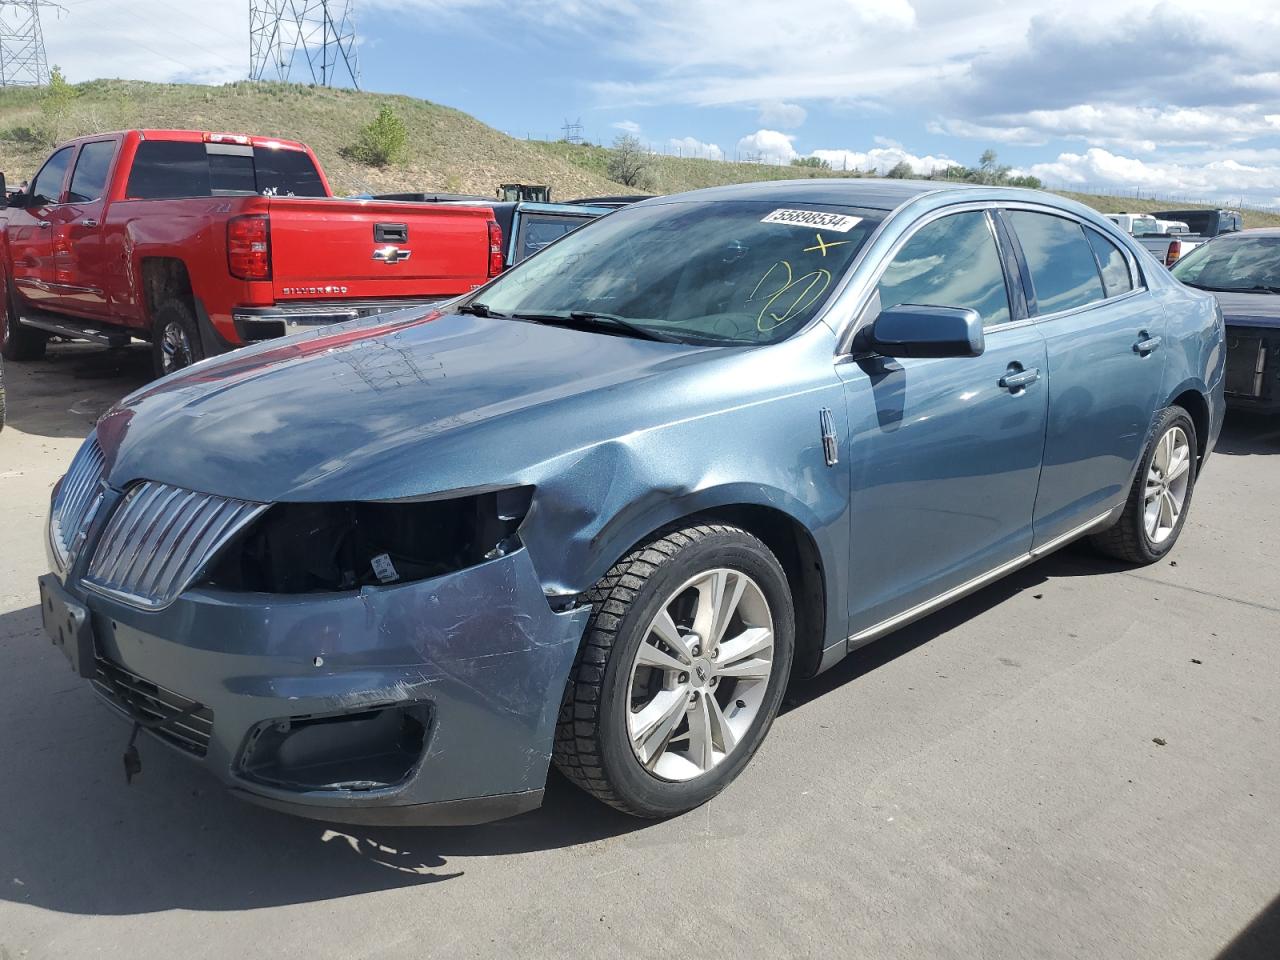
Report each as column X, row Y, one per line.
column 22, row 58
column 572, row 131
column 303, row 41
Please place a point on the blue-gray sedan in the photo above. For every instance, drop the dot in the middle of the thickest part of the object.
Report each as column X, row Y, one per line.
column 600, row 511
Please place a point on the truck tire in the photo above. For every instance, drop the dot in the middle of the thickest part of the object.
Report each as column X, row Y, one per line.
column 16, row 341
column 1160, row 497
column 175, row 338
column 680, row 673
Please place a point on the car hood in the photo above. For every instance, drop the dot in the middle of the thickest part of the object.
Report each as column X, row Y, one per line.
column 378, row 409
column 1250, row 309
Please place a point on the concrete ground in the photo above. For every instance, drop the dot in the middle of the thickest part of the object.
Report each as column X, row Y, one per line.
column 984, row 784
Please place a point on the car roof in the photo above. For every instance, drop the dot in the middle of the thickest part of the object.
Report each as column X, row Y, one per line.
column 872, row 193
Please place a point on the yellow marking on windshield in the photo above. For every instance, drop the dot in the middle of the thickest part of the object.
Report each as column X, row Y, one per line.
column 823, row 245
column 806, row 296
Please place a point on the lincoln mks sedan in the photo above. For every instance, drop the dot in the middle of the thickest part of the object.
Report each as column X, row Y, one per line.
column 601, row 511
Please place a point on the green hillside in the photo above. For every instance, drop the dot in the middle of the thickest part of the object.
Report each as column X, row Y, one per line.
column 447, row 150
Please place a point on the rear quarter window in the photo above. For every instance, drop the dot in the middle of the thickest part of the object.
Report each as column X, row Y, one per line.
column 1114, row 264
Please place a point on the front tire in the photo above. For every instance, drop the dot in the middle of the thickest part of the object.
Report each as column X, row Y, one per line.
column 1160, row 498
column 681, row 672
column 175, row 338
column 18, row 342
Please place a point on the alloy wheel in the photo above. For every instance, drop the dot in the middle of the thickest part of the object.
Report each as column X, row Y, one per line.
column 175, row 348
column 1166, row 487
column 700, row 674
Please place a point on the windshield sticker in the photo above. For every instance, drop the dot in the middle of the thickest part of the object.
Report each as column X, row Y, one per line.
column 838, row 222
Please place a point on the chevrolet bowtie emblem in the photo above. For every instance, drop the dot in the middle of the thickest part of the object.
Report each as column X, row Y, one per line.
column 390, row 254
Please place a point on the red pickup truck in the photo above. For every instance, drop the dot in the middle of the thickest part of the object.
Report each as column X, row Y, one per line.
column 202, row 242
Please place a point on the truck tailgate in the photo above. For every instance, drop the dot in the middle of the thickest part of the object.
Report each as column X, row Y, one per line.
column 360, row 248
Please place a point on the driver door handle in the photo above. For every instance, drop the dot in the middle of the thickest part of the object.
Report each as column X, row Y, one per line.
column 1015, row 380
column 42, row 224
column 89, row 223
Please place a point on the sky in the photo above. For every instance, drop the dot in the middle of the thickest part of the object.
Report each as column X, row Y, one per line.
column 1173, row 98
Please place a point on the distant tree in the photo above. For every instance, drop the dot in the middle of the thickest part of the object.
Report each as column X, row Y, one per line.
column 901, row 171
column 384, row 141
column 629, row 161
column 55, row 105
column 987, row 162
column 815, row 163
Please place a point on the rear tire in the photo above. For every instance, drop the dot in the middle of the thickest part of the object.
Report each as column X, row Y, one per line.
column 18, row 342
column 175, row 338
column 626, row 732
column 1160, row 498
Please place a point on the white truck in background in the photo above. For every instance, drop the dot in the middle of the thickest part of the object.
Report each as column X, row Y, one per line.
column 1166, row 239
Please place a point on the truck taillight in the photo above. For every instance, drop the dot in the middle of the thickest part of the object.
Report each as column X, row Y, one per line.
column 496, row 259
column 1175, row 251
column 249, row 247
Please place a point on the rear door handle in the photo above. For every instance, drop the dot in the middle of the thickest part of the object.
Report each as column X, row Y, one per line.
column 1146, row 345
column 88, row 223
column 42, row 224
column 1016, row 380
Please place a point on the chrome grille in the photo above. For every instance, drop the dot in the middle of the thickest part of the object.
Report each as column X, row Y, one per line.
column 160, row 538
column 75, row 500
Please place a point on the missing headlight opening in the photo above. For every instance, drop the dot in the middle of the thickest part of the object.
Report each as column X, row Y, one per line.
column 316, row 547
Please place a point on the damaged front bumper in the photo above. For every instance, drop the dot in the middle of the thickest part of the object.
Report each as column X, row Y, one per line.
column 427, row 702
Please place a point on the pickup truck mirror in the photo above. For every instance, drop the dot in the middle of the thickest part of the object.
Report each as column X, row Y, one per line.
column 912, row 330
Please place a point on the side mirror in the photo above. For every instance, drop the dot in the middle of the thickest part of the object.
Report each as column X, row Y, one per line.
column 911, row 330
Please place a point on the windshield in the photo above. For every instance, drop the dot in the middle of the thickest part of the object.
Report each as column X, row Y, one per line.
column 746, row 272
column 1240, row 263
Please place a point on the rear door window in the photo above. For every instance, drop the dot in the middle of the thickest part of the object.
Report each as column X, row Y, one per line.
column 951, row 262
column 1116, row 278
column 1064, row 273
column 89, row 182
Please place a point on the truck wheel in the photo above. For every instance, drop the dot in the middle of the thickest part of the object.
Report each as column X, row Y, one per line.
column 16, row 341
column 681, row 671
column 175, row 338
column 1161, row 494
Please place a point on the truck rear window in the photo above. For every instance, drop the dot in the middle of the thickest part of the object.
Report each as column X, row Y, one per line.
column 169, row 170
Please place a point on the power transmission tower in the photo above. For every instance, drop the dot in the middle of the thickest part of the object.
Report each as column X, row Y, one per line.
column 572, row 131
column 303, row 40
column 22, row 58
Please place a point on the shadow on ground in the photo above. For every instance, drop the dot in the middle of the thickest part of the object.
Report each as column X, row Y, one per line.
column 1249, row 434
column 64, row 394
column 85, row 843
column 1260, row 940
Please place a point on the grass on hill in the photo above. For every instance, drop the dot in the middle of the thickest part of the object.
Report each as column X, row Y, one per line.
column 446, row 150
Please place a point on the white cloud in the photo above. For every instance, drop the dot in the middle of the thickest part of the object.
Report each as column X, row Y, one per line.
column 883, row 159
column 1141, row 129
column 627, row 126
column 770, row 146
column 693, row 147
column 1188, row 175
column 775, row 113
column 150, row 40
